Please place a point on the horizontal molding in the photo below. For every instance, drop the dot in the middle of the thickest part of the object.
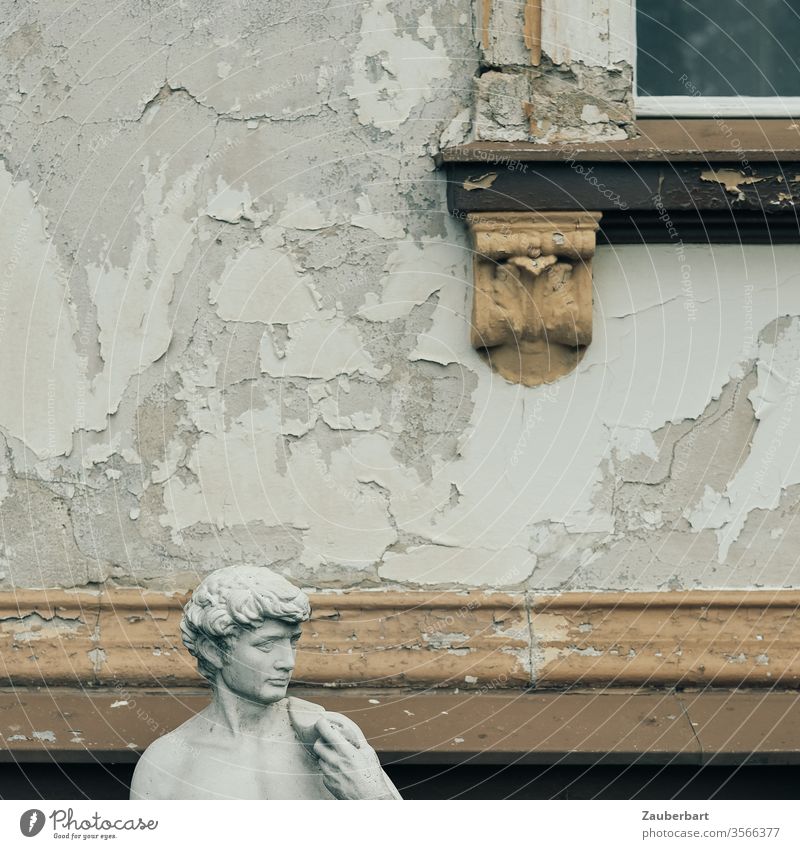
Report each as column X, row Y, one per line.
column 690, row 599
column 655, row 140
column 662, row 639
column 565, row 184
column 698, row 227
column 675, row 182
column 369, row 638
column 474, row 640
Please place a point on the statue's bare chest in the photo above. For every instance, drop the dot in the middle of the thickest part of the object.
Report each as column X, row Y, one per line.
column 252, row 768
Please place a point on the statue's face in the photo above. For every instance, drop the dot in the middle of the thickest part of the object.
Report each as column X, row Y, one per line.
column 259, row 662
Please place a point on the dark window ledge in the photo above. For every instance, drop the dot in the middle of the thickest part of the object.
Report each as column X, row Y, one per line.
column 712, row 181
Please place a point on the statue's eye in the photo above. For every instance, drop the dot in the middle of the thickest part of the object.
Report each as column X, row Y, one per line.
column 265, row 646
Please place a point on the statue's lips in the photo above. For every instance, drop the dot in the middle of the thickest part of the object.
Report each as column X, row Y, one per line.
column 278, row 682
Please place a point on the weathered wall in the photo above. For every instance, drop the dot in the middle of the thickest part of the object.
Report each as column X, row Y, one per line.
column 234, row 327
column 576, row 84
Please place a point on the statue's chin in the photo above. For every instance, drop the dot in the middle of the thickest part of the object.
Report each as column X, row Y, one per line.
column 272, row 693
column 265, row 694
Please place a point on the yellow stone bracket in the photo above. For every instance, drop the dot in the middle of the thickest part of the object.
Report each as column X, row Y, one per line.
column 532, row 305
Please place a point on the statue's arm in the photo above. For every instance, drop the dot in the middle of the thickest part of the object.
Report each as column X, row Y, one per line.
column 394, row 792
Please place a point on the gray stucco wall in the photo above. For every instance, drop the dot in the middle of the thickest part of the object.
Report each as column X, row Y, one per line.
column 234, row 321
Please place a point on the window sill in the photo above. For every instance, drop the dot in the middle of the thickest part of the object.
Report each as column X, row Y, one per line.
column 724, row 180
column 659, row 139
column 717, row 107
column 612, row 726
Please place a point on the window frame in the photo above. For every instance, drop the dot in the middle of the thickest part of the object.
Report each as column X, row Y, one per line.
column 698, row 106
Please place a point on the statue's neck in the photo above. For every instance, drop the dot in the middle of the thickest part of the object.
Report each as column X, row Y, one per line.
column 240, row 715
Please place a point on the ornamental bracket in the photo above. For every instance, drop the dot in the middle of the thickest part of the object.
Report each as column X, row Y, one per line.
column 532, row 304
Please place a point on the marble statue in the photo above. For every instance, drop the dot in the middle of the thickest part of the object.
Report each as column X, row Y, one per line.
column 253, row 741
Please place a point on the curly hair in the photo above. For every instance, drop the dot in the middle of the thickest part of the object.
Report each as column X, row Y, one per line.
column 235, row 598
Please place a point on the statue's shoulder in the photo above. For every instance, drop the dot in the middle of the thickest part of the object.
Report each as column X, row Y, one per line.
column 162, row 761
column 180, row 740
column 299, row 706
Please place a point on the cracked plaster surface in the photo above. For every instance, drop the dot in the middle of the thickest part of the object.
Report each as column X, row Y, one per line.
column 234, row 328
column 581, row 90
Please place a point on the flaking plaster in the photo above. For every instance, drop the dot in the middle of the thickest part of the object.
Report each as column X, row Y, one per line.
column 234, row 327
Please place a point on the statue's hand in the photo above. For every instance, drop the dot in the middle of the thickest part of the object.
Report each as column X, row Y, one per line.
column 350, row 770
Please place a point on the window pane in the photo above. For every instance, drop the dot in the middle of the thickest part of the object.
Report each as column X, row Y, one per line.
column 718, row 48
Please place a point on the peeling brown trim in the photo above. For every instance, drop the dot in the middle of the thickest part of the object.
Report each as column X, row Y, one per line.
column 762, row 599
column 486, row 13
column 131, row 637
column 533, row 30
column 702, row 637
column 738, row 140
column 473, row 640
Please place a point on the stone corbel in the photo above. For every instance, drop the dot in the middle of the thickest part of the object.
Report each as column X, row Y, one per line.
column 532, row 305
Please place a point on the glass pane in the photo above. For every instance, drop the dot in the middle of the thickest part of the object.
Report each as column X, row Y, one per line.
column 718, row 48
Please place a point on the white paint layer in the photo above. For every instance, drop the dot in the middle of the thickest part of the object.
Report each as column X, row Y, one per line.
column 773, row 462
column 262, row 284
column 594, row 32
column 431, row 564
column 38, row 377
column 393, row 72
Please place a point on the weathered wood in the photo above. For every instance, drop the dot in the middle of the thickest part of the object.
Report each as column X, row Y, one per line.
column 740, row 140
column 624, row 186
column 441, row 727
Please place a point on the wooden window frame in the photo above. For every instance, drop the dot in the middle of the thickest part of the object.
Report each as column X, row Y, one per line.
column 698, row 106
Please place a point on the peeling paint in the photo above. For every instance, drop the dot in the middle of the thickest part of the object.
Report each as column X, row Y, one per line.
column 33, row 627
column 234, row 322
column 771, row 465
column 554, row 74
column 262, row 284
column 731, row 180
column 44, row 736
column 393, row 72
column 484, row 182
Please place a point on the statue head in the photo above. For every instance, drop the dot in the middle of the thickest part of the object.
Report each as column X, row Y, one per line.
column 242, row 624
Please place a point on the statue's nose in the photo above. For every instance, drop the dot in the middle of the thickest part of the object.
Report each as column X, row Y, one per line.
column 285, row 660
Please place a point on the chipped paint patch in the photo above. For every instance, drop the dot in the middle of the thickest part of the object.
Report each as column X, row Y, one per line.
column 303, row 213
column 437, row 564
column 44, row 736
column 731, row 180
column 772, row 464
column 386, row 225
column 262, row 283
column 412, row 273
column 485, row 182
column 39, row 377
column 393, row 73
column 319, row 349
column 232, row 205
column 98, row 658
column 34, row 627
